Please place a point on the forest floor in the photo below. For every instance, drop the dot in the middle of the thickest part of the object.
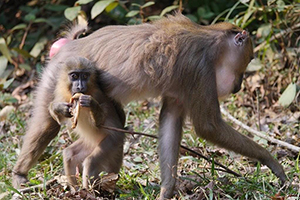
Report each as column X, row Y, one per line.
column 140, row 175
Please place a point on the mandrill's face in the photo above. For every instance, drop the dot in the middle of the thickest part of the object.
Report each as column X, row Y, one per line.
column 233, row 62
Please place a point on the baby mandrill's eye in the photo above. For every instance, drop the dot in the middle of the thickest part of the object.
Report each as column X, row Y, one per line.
column 73, row 76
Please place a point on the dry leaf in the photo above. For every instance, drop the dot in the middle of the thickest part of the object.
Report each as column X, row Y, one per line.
column 75, row 109
column 108, row 182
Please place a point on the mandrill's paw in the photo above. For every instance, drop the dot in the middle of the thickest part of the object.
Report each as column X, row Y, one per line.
column 283, row 178
column 18, row 180
column 165, row 194
column 82, row 99
column 85, row 100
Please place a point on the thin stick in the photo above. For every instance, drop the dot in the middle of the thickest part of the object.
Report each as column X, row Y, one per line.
column 27, row 189
column 132, row 133
column 182, row 146
column 257, row 133
column 24, row 36
column 281, row 33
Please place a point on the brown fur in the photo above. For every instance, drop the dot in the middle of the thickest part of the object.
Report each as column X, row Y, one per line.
column 92, row 152
column 178, row 60
column 93, row 149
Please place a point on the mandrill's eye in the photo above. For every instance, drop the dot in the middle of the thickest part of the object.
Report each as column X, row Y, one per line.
column 73, row 76
column 85, row 76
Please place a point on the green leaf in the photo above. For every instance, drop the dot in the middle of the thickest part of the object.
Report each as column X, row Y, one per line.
column 201, row 12
column 154, row 17
column 138, row 159
column 11, row 100
column 254, row 65
column 150, row 3
column 3, row 64
column 118, row 14
column 99, row 7
column 4, row 50
column 38, row 47
column 12, row 188
column 132, row 13
column 29, row 17
column 280, row 5
column 72, row 13
column 7, row 83
column 18, row 27
column 22, row 52
column 288, row 95
column 135, row 4
column 83, row 1
column 111, row 6
column 192, row 17
column 41, row 20
column 8, row 71
column 168, row 9
column 204, row 13
column 25, row 66
column 134, row 21
column 264, row 30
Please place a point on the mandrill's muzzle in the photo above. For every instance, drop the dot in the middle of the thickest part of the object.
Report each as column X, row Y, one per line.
column 238, row 85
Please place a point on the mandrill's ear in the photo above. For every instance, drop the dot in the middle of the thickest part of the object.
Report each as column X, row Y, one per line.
column 240, row 38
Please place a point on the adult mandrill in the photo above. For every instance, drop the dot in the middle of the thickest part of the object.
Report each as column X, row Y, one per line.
column 189, row 65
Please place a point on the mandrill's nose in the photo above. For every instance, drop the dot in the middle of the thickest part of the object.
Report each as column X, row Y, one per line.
column 81, row 87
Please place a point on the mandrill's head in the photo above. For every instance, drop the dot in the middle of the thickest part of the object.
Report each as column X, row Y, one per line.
column 79, row 74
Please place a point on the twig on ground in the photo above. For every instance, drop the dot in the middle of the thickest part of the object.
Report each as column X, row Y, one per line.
column 225, row 169
column 257, row 133
column 27, row 189
column 182, row 146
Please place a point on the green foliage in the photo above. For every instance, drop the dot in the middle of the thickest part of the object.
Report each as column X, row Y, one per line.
column 99, row 7
column 23, row 42
column 288, row 95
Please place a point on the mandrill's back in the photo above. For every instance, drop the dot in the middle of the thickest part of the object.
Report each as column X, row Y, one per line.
column 144, row 58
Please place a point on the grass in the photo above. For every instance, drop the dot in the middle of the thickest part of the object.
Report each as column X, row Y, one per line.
column 140, row 174
column 198, row 179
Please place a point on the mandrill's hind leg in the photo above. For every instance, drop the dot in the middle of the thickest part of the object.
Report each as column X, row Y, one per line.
column 219, row 132
column 106, row 157
column 73, row 156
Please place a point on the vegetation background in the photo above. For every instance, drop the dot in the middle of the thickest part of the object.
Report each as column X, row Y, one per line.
column 268, row 101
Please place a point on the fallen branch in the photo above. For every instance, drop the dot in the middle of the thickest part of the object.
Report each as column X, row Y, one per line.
column 257, row 133
column 182, row 146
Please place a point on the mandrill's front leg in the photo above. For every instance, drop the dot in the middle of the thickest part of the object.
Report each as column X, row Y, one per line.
column 41, row 130
column 170, row 131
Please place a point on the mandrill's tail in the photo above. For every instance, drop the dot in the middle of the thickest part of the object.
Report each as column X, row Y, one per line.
column 75, row 32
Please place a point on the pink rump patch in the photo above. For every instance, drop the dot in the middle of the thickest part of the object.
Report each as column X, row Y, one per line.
column 57, row 45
